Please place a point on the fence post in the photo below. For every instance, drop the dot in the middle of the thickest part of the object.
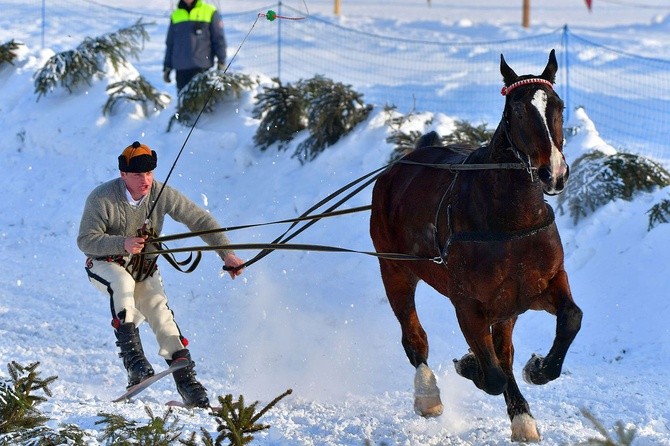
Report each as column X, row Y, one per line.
column 44, row 18
column 525, row 14
column 566, row 65
column 279, row 42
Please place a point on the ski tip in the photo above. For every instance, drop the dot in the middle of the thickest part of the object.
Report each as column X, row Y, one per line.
column 179, row 363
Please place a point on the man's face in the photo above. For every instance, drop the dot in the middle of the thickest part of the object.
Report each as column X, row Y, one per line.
column 138, row 184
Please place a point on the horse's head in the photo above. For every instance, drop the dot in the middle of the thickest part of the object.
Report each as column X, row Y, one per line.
column 534, row 123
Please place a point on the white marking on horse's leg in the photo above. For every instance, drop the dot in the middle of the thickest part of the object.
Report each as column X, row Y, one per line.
column 524, row 428
column 427, row 402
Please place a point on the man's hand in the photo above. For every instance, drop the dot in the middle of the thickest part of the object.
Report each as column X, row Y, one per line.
column 134, row 245
column 166, row 75
column 221, row 66
column 232, row 261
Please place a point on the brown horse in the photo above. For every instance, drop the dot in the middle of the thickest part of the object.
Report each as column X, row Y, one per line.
column 480, row 216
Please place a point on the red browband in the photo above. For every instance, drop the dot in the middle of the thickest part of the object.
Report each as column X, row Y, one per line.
column 536, row 80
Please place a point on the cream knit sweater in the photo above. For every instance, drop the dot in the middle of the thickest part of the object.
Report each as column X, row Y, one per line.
column 109, row 218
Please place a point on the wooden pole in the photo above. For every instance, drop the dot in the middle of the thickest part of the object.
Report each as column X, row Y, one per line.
column 337, row 7
column 526, row 14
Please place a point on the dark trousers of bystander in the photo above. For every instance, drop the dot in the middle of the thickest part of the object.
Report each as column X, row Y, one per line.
column 185, row 76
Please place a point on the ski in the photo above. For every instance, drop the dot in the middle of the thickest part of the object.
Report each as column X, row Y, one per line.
column 177, row 364
column 175, row 403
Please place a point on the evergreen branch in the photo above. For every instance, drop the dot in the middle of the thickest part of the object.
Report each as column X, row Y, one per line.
column 72, row 68
column 624, row 436
column 69, row 69
column 597, row 179
column 282, row 111
column 117, row 46
column 334, row 110
column 138, row 91
column 18, row 403
column 8, row 52
column 271, row 404
column 158, row 431
column 205, row 91
column 467, row 134
column 404, row 134
column 658, row 214
column 236, row 421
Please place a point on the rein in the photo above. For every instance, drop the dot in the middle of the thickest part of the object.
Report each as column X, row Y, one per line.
column 465, row 166
column 143, row 265
column 280, row 243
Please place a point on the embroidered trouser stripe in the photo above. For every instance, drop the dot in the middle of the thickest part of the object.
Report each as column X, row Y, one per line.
column 137, row 302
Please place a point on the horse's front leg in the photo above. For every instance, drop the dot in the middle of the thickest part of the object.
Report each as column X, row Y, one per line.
column 557, row 300
column 524, row 427
column 400, row 285
column 481, row 364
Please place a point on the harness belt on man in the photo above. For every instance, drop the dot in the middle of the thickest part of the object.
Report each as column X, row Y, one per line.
column 138, row 266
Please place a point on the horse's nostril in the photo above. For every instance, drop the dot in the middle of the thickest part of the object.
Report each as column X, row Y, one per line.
column 544, row 173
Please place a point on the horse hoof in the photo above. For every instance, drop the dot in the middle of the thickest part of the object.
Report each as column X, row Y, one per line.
column 532, row 371
column 428, row 406
column 466, row 366
column 524, row 429
column 427, row 402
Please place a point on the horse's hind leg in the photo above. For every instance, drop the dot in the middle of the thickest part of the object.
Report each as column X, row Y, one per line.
column 558, row 301
column 524, row 427
column 400, row 285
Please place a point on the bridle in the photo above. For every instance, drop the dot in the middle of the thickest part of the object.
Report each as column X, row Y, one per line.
column 505, row 91
column 524, row 163
column 523, row 158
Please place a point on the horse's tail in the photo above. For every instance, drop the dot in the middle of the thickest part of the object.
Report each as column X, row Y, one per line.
column 430, row 139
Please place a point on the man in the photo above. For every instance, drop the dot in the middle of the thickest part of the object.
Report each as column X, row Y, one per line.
column 109, row 236
column 194, row 38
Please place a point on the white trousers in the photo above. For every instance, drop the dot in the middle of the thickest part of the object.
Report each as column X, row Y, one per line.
column 137, row 301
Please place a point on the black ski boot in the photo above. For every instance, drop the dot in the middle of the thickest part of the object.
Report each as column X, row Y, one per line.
column 128, row 340
column 191, row 391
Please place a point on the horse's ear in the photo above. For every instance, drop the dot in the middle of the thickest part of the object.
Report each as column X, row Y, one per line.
column 549, row 72
column 509, row 76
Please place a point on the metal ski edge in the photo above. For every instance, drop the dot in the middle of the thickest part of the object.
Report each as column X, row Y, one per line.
column 177, row 364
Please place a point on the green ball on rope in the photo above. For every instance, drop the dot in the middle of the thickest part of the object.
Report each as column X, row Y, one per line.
column 271, row 15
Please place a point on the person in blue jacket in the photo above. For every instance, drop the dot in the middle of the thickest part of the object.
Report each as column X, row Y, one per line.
column 194, row 40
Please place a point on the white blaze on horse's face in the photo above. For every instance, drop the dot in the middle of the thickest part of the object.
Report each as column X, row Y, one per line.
column 555, row 178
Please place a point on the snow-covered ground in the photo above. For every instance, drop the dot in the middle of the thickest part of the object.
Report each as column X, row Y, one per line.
column 314, row 322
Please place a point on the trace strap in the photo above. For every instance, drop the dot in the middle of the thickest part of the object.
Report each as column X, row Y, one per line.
column 267, row 248
column 296, row 247
column 167, row 238
column 280, row 243
column 367, row 179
